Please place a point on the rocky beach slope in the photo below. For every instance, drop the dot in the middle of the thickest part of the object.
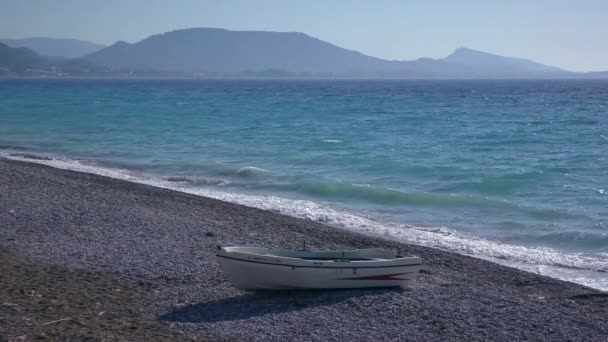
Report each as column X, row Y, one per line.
column 95, row 258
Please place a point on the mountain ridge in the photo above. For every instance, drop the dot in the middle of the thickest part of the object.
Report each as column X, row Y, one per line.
column 55, row 47
column 212, row 50
column 19, row 59
column 221, row 53
column 232, row 51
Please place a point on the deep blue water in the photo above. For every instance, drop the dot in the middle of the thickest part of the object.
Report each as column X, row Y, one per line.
column 520, row 163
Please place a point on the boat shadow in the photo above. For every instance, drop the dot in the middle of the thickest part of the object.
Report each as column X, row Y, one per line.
column 255, row 304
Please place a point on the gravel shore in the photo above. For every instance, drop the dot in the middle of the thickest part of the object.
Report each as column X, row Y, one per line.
column 162, row 243
column 40, row 301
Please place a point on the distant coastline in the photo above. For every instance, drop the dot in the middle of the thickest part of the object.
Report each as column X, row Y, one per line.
column 203, row 52
column 139, row 77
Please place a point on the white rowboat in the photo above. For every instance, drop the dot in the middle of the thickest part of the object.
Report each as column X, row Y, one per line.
column 251, row 268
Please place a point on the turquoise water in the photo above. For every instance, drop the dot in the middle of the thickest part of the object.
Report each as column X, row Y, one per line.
column 521, row 166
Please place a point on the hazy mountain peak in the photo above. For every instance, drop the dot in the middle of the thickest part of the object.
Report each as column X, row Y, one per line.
column 464, row 49
column 489, row 62
column 121, row 43
column 467, row 55
column 221, row 30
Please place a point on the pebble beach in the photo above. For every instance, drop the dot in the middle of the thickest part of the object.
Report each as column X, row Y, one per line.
column 87, row 257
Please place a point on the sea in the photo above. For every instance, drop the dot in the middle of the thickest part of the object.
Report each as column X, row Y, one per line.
column 512, row 171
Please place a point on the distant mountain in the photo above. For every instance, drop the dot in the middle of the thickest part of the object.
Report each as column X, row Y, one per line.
column 196, row 50
column 469, row 63
column 19, row 59
column 486, row 63
column 26, row 62
column 56, row 47
column 223, row 52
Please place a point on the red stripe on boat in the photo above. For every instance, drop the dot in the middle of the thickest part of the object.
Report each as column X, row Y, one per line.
column 393, row 276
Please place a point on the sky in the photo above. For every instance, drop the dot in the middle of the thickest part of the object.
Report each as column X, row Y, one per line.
column 569, row 34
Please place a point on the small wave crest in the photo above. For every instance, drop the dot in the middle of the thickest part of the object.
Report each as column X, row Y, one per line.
column 30, row 156
column 12, row 147
column 252, row 172
column 382, row 195
column 386, row 196
column 499, row 185
column 181, row 179
column 580, row 239
column 197, row 180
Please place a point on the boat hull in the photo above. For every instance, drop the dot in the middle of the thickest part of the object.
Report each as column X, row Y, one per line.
column 247, row 273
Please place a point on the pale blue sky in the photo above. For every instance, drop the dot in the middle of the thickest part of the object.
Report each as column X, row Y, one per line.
column 569, row 34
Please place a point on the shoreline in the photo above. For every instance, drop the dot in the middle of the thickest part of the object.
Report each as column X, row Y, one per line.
column 241, row 78
column 167, row 238
column 587, row 270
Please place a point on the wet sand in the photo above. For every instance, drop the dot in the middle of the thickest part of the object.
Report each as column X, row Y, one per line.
column 84, row 235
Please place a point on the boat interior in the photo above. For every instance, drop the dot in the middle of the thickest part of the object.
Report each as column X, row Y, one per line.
column 346, row 255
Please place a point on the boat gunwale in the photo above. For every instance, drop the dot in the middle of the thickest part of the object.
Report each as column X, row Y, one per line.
column 347, row 264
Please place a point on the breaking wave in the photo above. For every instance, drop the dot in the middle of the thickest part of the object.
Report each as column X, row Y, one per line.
column 387, row 196
column 497, row 185
column 252, row 172
column 197, row 180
